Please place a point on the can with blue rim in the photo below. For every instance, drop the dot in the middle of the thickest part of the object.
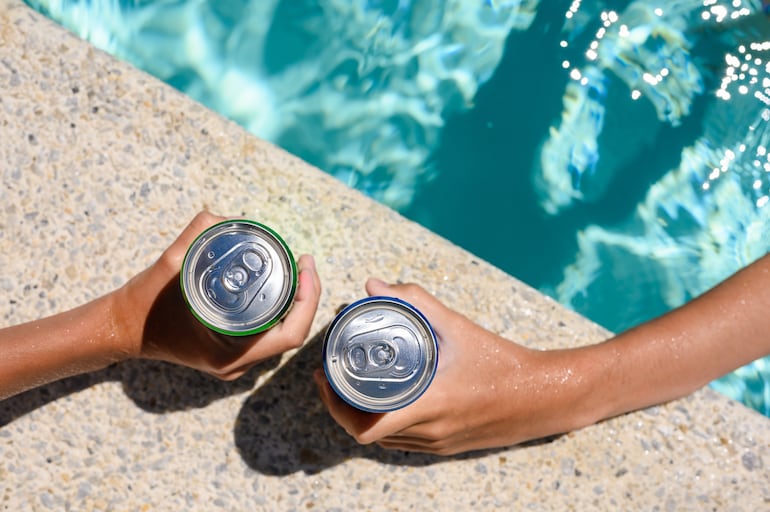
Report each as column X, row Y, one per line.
column 380, row 354
column 239, row 278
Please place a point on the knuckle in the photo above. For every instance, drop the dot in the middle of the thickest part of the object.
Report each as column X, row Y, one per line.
column 288, row 338
column 169, row 261
column 412, row 288
column 412, row 291
column 363, row 437
column 203, row 218
column 294, row 342
column 228, row 376
column 444, row 450
column 437, row 432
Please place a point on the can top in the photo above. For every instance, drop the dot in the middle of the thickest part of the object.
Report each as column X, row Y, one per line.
column 380, row 354
column 238, row 277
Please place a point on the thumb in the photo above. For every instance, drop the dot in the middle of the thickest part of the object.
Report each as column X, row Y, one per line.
column 437, row 313
column 378, row 287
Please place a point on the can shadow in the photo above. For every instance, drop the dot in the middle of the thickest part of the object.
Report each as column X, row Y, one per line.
column 284, row 428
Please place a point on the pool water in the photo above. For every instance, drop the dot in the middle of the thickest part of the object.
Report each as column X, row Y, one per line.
column 612, row 154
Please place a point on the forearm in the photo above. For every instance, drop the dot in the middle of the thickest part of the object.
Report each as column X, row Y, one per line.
column 679, row 352
column 77, row 341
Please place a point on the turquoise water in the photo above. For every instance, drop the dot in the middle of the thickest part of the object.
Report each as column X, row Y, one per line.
column 610, row 153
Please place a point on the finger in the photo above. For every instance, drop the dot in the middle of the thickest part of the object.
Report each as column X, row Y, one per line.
column 416, row 433
column 296, row 325
column 365, row 427
column 406, row 446
column 434, row 310
column 401, row 439
column 376, row 286
column 442, row 446
column 431, row 448
column 203, row 220
column 306, row 263
column 285, row 335
column 294, row 328
column 234, row 373
column 418, row 422
column 352, row 420
column 411, row 293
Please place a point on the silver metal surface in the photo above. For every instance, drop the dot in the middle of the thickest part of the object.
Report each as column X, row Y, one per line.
column 380, row 354
column 238, row 277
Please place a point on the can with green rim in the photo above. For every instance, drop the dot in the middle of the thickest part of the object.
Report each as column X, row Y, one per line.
column 239, row 277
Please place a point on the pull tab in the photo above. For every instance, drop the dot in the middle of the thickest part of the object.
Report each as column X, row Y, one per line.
column 388, row 354
column 235, row 278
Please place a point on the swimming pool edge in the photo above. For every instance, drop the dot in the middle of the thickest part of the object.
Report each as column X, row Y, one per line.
column 103, row 156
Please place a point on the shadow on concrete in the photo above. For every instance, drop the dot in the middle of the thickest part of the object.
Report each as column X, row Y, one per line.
column 154, row 386
column 284, row 427
column 24, row 403
column 160, row 387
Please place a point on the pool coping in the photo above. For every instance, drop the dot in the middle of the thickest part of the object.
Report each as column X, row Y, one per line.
column 104, row 164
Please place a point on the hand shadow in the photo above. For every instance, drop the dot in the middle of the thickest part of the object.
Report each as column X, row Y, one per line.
column 158, row 386
column 154, row 386
column 284, row 427
column 24, row 403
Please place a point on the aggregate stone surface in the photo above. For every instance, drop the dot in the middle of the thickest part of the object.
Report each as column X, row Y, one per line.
column 103, row 165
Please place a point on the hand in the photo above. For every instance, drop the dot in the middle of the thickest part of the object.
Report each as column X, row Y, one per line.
column 154, row 321
column 487, row 392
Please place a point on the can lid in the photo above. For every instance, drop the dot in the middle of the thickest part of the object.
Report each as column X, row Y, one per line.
column 380, row 354
column 238, row 277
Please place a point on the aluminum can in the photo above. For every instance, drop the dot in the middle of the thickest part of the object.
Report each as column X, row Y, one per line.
column 239, row 277
column 380, row 354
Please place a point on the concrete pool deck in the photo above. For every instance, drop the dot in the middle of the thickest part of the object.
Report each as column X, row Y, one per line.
column 102, row 166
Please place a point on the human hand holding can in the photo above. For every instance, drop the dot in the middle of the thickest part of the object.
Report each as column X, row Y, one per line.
column 153, row 317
